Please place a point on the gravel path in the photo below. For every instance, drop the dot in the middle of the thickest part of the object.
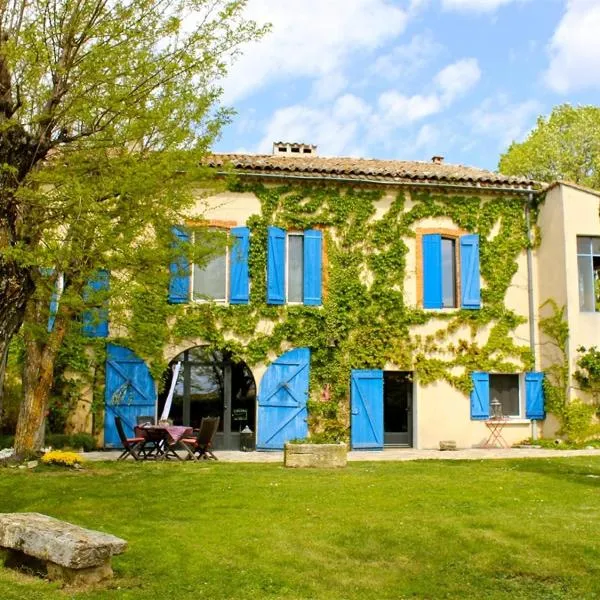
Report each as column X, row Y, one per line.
column 397, row 454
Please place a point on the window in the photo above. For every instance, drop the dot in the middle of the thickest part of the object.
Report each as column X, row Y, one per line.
column 210, row 280
column 440, row 271
column 448, row 273
column 224, row 277
column 295, row 267
column 588, row 266
column 505, row 389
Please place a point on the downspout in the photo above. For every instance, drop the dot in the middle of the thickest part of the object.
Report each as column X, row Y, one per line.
column 532, row 332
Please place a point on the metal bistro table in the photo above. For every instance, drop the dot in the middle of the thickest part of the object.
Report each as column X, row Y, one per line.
column 166, row 439
column 495, row 426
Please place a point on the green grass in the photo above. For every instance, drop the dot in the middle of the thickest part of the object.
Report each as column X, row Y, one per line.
column 432, row 529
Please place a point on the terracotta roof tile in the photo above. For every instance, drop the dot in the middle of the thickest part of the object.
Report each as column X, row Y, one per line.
column 362, row 168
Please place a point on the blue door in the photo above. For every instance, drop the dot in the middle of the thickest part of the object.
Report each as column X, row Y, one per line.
column 282, row 400
column 367, row 410
column 129, row 392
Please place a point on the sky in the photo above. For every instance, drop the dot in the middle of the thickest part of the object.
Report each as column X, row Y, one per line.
column 410, row 79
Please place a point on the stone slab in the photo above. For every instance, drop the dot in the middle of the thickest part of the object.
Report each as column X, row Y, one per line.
column 315, row 455
column 62, row 543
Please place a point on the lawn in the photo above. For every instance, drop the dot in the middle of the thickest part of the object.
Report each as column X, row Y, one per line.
column 430, row 529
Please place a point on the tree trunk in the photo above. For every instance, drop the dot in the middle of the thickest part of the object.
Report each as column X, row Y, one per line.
column 38, row 376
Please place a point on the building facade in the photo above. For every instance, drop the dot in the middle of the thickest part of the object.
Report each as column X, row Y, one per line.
column 397, row 303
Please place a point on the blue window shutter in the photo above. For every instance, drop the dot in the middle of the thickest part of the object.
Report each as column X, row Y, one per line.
column 54, row 299
column 480, row 396
column 238, row 266
column 95, row 320
column 313, row 246
column 470, row 288
column 179, row 285
column 276, row 266
column 432, row 270
column 534, row 396
column 53, row 308
column 366, row 423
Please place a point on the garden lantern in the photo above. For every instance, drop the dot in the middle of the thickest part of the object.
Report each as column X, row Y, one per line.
column 496, row 409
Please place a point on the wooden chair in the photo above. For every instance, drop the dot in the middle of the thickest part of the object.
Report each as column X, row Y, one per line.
column 202, row 443
column 132, row 446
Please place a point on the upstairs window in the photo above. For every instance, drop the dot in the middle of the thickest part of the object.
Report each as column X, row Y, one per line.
column 445, row 283
column 209, row 281
column 588, row 266
column 448, row 273
column 294, row 267
column 225, row 277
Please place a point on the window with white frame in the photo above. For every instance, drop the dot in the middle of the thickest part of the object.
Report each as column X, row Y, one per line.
column 448, row 272
column 209, row 281
column 295, row 268
column 505, row 390
column 588, row 266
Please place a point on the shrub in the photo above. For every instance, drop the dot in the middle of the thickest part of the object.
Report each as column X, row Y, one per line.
column 60, row 457
column 83, row 440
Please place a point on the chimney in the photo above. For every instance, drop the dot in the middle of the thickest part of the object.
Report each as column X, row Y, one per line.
column 437, row 160
column 293, row 149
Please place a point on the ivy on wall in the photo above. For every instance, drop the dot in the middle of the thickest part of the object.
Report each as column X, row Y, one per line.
column 364, row 321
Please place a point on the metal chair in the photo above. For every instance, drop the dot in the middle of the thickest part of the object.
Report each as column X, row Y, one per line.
column 132, row 446
column 202, row 443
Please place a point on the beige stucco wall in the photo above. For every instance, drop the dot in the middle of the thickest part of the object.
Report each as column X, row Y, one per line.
column 442, row 412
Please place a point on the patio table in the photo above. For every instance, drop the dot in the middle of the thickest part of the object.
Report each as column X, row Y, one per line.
column 166, row 439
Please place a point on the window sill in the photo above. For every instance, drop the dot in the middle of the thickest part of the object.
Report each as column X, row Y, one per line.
column 517, row 421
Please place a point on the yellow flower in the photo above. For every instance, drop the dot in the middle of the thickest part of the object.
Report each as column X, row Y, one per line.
column 60, row 457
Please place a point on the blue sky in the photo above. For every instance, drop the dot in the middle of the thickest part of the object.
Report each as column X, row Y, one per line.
column 409, row 79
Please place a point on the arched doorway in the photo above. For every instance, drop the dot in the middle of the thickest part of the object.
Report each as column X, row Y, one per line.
column 211, row 384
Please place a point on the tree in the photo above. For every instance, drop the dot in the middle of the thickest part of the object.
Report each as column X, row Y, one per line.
column 563, row 146
column 105, row 108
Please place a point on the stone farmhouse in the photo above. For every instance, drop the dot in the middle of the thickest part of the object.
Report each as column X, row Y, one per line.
column 397, row 303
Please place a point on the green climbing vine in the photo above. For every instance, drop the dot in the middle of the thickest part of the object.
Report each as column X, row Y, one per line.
column 365, row 321
column 576, row 417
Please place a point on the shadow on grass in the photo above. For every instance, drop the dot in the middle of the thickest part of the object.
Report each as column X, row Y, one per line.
column 584, row 472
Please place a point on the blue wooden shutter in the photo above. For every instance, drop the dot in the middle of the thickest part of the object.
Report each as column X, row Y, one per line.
column 54, row 300
column 179, row 285
column 239, row 283
column 282, row 400
column 367, row 409
column 95, row 320
column 432, row 270
column 276, row 266
column 470, row 287
column 129, row 392
column 313, row 247
column 534, row 396
column 480, row 396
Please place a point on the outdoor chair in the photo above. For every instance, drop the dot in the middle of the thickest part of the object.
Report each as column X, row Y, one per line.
column 132, row 446
column 202, row 443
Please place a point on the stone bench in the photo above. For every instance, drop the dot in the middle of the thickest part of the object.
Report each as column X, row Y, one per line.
column 60, row 550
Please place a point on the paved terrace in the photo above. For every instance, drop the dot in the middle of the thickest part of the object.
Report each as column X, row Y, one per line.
column 389, row 454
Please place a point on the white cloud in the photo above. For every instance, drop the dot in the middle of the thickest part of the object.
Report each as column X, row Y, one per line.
column 499, row 119
column 350, row 124
column 310, row 38
column 475, row 5
column 458, row 78
column 575, row 48
column 328, row 87
column 406, row 59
